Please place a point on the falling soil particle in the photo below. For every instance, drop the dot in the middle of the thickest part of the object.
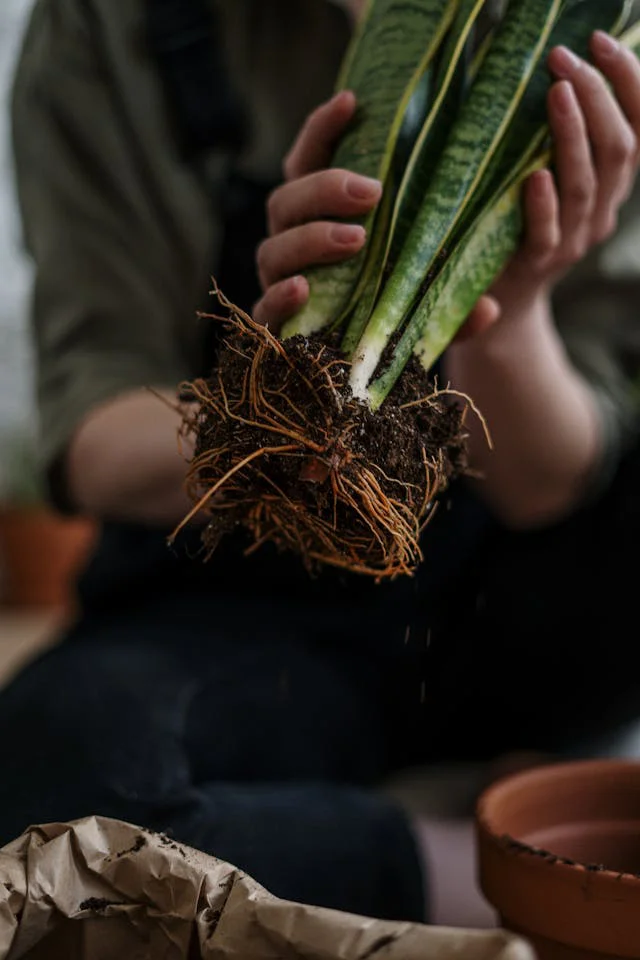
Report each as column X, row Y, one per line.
column 171, row 844
column 99, row 904
column 139, row 843
column 518, row 847
column 379, row 945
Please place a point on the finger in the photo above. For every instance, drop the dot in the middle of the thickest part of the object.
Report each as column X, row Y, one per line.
column 576, row 178
column 622, row 68
column 543, row 233
column 327, row 193
column 314, row 243
column 281, row 301
column 483, row 316
column 613, row 142
column 315, row 144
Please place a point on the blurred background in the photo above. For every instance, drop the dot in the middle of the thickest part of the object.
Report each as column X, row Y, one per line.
column 38, row 551
column 15, row 368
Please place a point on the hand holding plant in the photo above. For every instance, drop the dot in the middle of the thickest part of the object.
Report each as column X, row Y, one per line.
column 330, row 438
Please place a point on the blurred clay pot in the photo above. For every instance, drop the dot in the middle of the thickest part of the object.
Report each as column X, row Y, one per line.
column 559, row 858
column 40, row 556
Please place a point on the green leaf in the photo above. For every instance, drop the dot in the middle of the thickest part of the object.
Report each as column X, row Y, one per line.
column 477, row 259
column 451, row 85
column 490, row 106
column 427, row 123
column 391, row 52
column 574, row 29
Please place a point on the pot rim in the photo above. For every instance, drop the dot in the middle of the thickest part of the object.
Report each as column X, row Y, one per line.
column 548, row 774
column 543, row 895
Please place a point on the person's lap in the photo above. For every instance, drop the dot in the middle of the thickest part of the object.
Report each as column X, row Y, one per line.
column 261, row 750
column 250, row 736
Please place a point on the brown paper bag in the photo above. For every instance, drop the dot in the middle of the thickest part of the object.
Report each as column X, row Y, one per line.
column 99, row 889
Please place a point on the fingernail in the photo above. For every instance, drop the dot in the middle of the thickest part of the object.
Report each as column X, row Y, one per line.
column 347, row 96
column 347, row 234
column 565, row 98
column 604, row 45
column 293, row 286
column 565, row 62
column 363, row 188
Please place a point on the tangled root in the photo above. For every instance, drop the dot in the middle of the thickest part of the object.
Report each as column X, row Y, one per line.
column 283, row 449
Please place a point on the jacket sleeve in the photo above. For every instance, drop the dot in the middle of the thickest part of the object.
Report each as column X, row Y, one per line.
column 119, row 229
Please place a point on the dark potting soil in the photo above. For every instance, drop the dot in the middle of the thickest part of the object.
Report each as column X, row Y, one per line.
column 279, row 418
column 99, row 904
column 137, row 845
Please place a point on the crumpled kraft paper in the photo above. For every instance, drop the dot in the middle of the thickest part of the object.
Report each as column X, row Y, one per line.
column 100, row 889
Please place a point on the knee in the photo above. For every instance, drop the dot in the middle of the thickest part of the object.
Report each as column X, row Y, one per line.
column 77, row 749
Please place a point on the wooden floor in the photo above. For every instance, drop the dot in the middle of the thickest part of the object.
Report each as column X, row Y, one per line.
column 22, row 635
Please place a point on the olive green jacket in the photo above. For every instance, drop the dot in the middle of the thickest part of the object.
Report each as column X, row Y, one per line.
column 120, row 225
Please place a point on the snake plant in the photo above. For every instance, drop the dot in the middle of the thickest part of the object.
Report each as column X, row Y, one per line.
column 328, row 440
column 446, row 227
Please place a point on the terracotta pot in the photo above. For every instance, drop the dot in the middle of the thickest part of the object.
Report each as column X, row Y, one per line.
column 40, row 555
column 559, row 858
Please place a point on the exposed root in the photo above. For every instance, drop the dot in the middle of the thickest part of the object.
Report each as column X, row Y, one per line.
column 284, row 450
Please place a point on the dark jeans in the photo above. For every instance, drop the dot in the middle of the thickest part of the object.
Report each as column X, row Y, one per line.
column 251, row 711
column 239, row 720
column 247, row 709
column 258, row 750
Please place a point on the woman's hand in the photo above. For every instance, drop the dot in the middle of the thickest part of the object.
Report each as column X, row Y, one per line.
column 303, row 213
column 544, row 419
column 596, row 132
